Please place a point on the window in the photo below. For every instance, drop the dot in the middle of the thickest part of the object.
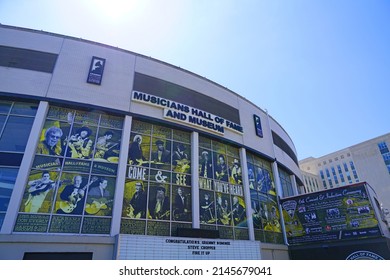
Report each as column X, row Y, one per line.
column 323, row 179
column 265, row 211
column 384, row 150
column 16, row 119
column 354, row 171
column 7, row 183
column 341, row 175
column 329, row 178
column 335, row 176
column 347, row 173
column 27, row 59
column 286, row 183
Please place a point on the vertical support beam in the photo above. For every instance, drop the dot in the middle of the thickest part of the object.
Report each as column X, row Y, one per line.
column 247, row 194
column 278, row 184
column 195, row 179
column 121, row 177
column 279, row 192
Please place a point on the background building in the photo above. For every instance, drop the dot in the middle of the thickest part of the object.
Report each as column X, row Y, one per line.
column 108, row 154
column 368, row 161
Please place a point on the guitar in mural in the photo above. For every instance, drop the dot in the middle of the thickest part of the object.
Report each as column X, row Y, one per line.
column 97, row 205
column 69, row 205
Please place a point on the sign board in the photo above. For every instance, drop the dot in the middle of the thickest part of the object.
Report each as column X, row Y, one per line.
column 96, row 69
column 188, row 115
column 258, row 128
column 139, row 247
column 344, row 213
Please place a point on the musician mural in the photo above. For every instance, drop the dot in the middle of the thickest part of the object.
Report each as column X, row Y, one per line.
column 100, row 196
column 39, row 193
column 73, row 173
column 264, row 206
column 181, row 207
column 222, row 204
column 157, row 194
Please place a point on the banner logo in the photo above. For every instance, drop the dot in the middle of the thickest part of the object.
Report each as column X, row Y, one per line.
column 96, row 70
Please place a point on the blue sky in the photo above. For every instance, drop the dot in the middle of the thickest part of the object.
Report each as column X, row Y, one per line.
column 320, row 68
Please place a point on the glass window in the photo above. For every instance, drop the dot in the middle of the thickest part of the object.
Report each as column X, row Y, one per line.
column 264, row 207
column 15, row 134
column 25, row 109
column 2, row 122
column 384, row 150
column 7, row 182
column 383, row 147
column 5, row 106
column 286, row 183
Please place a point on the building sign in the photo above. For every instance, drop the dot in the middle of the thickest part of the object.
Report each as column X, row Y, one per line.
column 343, row 213
column 131, row 247
column 188, row 115
column 96, row 69
column 364, row 255
column 258, row 128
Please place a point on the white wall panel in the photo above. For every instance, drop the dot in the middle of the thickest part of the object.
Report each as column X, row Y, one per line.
column 30, row 40
column 71, row 71
column 21, row 81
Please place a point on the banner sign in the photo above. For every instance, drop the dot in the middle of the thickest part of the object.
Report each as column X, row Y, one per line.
column 186, row 114
column 258, row 128
column 133, row 247
column 337, row 214
column 96, row 70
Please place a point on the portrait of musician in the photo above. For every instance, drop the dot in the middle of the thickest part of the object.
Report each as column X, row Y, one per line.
column 180, row 159
column 160, row 155
column 104, row 146
column 73, row 196
column 236, row 174
column 238, row 211
column 51, row 145
column 99, row 199
column 159, row 205
column 221, row 169
column 80, row 144
column 223, row 211
column 37, row 192
column 207, row 209
column 251, row 177
column 182, row 205
column 256, row 214
column 136, row 156
column 205, row 165
column 137, row 205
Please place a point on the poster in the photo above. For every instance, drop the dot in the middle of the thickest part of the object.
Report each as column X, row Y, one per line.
column 73, row 173
column 343, row 213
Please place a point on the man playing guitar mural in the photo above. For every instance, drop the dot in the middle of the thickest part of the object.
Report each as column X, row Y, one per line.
column 38, row 190
column 73, row 197
column 99, row 199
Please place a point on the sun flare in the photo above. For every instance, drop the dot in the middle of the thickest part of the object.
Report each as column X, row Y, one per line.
column 116, row 10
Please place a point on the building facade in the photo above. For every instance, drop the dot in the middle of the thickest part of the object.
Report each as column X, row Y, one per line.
column 108, row 154
column 368, row 161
